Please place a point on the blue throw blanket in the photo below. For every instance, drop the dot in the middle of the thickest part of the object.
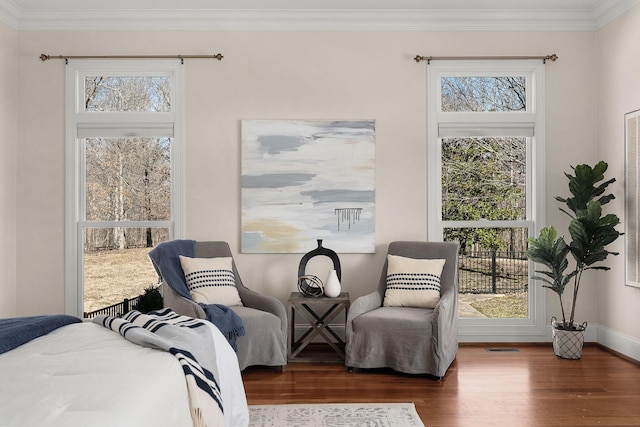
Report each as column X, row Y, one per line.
column 166, row 260
column 20, row 330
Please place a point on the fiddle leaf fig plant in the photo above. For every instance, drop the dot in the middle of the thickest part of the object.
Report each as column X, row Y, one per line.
column 590, row 232
column 551, row 251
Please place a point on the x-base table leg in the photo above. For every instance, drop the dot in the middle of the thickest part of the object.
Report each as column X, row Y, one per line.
column 319, row 324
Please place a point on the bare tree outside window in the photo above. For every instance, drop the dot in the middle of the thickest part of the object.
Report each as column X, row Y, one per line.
column 502, row 94
column 484, row 179
column 128, row 93
column 126, row 179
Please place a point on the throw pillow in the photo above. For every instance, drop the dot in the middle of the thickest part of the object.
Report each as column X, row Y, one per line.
column 211, row 280
column 413, row 282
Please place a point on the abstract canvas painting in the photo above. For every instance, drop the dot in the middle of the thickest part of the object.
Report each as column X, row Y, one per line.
column 308, row 180
column 632, row 197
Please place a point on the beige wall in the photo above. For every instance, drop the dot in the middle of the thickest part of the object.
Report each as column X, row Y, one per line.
column 619, row 93
column 571, row 124
column 285, row 75
column 8, row 148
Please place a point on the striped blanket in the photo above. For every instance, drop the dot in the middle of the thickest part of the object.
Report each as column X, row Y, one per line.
column 190, row 341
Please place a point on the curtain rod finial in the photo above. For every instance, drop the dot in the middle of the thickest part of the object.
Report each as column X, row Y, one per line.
column 218, row 56
column 44, row 57
column 420, row 58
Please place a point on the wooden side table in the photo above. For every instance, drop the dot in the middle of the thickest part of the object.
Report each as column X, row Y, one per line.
column 308, row 307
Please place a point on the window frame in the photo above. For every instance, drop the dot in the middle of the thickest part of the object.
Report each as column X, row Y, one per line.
column 81, row 124
column 529, row 123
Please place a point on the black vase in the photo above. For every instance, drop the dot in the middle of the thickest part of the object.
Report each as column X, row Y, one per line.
column 319, row 251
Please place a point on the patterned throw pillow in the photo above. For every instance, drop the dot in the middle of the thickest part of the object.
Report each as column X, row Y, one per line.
column 211, row 280
column 413, row 282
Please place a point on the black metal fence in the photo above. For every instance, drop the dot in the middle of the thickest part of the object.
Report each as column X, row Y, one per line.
column 493, row 272
column 118, row 309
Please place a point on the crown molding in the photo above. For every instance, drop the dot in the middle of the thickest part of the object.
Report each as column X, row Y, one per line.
column 317, row 19
column 605, row 12
column 9, row 13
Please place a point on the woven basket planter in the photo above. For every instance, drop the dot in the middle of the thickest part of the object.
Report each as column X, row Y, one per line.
column 568, row 344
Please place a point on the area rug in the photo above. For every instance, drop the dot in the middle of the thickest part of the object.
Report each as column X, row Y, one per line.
column 335, row 415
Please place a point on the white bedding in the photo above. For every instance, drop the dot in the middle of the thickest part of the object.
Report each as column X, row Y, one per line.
column 86, row 375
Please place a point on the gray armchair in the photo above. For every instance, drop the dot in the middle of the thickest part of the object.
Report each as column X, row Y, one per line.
column 407, row 339
column 264, row 317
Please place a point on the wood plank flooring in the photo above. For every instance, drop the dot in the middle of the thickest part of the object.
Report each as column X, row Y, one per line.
column 527, row 387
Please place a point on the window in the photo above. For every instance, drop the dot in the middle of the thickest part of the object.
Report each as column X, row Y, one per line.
column 124, row 168
column 485, row 137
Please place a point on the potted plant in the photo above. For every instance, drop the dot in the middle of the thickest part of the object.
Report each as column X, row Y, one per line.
column 150, row 300
column 591, row 232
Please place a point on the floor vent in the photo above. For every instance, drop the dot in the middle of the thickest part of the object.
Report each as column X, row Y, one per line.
column 503, row 350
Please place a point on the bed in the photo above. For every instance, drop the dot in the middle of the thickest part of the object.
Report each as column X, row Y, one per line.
column 84, row 374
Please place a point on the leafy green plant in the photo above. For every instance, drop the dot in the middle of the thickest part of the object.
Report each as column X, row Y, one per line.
column 590, row 232
column 150, row 300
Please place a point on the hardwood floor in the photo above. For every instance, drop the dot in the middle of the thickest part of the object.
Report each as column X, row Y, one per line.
column 527, row 387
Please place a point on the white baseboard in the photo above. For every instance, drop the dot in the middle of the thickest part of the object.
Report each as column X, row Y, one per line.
column 619, row 342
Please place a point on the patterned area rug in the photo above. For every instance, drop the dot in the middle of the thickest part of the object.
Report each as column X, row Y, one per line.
column 335, row 415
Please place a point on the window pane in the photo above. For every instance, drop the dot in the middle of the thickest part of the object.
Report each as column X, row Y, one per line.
column 128, row 179
column 460, row 94
column 483, row 178
column 493, row 271
column 127, row 94
column 116, row 264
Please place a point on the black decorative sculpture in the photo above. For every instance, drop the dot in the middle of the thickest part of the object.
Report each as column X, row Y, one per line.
column 310, row 287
